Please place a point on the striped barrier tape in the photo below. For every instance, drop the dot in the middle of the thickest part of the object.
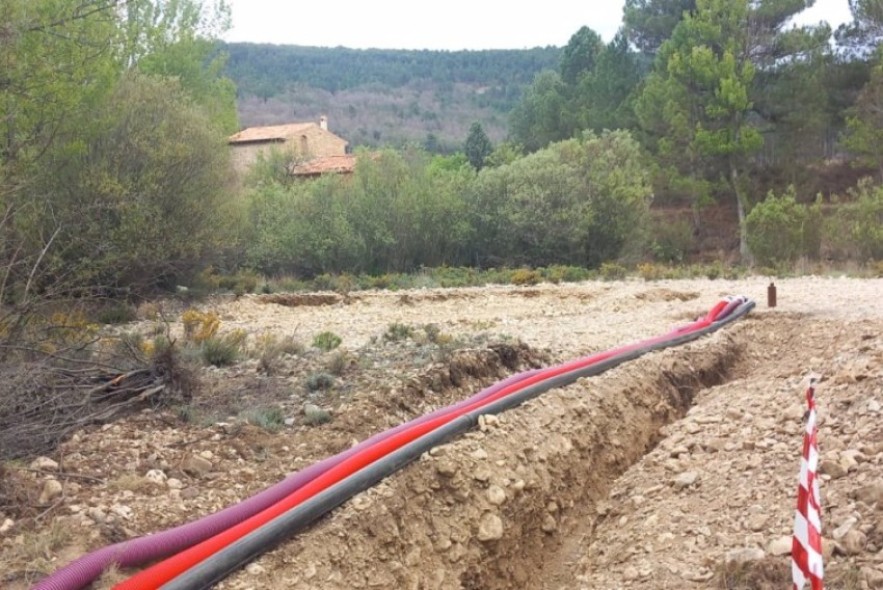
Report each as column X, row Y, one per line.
column 806, row 548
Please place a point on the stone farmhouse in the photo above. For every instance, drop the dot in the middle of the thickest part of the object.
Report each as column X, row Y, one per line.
column 307, row 141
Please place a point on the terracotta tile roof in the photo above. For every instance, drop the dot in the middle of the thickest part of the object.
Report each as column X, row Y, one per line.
column 325, row 165
column 272, row 133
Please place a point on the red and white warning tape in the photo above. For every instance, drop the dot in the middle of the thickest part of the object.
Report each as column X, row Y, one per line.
column 806, row 548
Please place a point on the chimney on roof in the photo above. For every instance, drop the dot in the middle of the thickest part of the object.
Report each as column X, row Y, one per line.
column 323, row 122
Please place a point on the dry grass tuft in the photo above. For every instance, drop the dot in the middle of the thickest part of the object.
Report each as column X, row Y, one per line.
column 110, row 578
column 132, row 483
column 766, row 574
column 29, row 558
column 18, row 493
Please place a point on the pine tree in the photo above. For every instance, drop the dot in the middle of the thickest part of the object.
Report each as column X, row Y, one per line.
column 477, row 147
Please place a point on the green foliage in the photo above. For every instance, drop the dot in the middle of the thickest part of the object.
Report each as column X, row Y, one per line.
column 222, row 351
column 856, row 229
column 611, row 271
column 649, row 23
column 144, row 205
column 270, row 418
column 695, row 104
column 112, row 158
column 605, row 97
column 863, row 34
column 433, row 333
column 864, row 135
column 525, row 276
column 539, row 118
column 451, row 163
column 477, row 147
column 117, row 312
column 314, row 415
column 57, row 65
column 302, row 228
column 397, row 212
column 576, row 202
column 320, row 382
column 580, row 55
column 327, row 341
column 407, row 214
column 269, row 350
column 780, row 229
column 178, row 40
column 558, row 273
column 397, row 332
column 267, row 70
column 505, row 153
column 671, row 240
column 337, row 363
column 801, row 103
column 240, row 283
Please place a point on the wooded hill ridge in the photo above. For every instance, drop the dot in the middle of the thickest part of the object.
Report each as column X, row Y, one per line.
column 385, row 96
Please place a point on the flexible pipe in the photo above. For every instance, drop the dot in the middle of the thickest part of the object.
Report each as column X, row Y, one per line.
column 221, row 563
column 160, row 573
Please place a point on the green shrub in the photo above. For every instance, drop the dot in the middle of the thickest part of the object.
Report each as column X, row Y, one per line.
column 714, row 270
column 269, row 349
column 314, row 415
column 397, row 332
column 287, row 285
column 433, row 332
column 380, row 282
column 524, row 276
column 559, row 273
column 117, row 313
column 143, row 198
column 651, row 272
column 856, row 228
column 671, row 240
column 337, row 363
column 611, row 271
column 246, row 282
column 446, row 276
column 269, row 418
column 320, row 381
column 222, row 351
column 327, row 341
column 780, row 230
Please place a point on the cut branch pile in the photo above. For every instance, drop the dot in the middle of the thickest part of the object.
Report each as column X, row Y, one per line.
column 43, row 402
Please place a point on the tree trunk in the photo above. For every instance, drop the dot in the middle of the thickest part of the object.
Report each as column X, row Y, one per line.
column 744, row 251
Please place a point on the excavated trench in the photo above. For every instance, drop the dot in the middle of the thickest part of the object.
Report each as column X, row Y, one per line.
column 504, row 506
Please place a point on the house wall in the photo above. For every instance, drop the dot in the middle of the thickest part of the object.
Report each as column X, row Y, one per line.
column 318, row 143
column 244, row 155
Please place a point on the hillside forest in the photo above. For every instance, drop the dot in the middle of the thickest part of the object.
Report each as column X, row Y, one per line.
column 115, row 175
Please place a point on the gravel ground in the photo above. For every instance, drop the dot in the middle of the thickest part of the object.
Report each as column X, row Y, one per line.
column 722, row 414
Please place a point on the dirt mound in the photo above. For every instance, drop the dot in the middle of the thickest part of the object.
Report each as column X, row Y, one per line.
column 415, row 297
column 304, row 299
column 713, row 504
column 666, row 295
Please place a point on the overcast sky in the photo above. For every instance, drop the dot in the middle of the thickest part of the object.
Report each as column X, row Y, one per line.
column 455, row 24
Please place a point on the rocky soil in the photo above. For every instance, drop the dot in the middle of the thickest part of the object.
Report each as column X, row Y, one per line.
column 677, row 470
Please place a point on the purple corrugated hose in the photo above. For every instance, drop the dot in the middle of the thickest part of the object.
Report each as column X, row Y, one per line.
column 134, row 552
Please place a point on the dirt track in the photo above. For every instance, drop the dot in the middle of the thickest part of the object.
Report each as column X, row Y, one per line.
column 650, row 476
